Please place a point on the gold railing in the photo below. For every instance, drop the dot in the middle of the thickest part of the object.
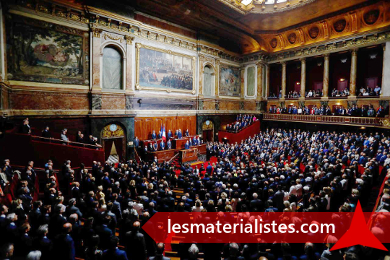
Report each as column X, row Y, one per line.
column 348, row 120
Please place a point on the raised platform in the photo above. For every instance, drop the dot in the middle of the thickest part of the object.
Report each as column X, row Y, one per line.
column 242, row 135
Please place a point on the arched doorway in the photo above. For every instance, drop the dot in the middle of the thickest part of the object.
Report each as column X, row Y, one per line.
column 208, row 131
column 114, row 142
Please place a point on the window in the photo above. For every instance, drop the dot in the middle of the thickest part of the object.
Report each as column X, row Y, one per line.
column 112, row 69
column 209, row 81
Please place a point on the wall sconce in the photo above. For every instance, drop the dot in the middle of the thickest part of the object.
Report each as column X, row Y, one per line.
column 139, row 102
column 298, row 83
column 342, row 79
column 343, row 60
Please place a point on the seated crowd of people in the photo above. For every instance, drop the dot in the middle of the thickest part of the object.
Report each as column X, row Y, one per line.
column 363, row 111
column 314, row 93
column 242, row 121
column 363, row 91
column 367, row 91
column 92, row 211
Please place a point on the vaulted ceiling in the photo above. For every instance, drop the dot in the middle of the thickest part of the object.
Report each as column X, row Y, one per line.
column 242, row 32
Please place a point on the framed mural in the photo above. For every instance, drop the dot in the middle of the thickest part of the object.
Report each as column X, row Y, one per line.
column 45, row 52
column 229, row 81
column 164, row 70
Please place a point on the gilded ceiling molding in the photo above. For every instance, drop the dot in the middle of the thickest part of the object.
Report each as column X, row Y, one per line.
column 259, row 6
column 369, row 18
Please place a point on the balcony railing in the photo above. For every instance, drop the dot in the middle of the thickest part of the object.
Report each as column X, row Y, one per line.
column 347, row 120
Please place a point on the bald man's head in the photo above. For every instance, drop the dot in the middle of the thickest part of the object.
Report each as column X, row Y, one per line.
column 67, row 227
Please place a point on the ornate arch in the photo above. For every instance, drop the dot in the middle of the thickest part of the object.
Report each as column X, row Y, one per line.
column 207, row 63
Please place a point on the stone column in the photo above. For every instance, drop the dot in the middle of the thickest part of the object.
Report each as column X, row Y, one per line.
column 96, row 58
column 267, row 81
column 217, row 62
column 303, row 77
column 259, row 80
column 386, row 71
column 283, row 79
column 242, row 73
column 325, row 84
column 352, row 80
column 129, row 61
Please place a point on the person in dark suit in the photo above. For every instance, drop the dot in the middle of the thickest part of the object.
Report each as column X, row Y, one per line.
column 135, row 243
column 159, row 136
column 105, row 233
column 63, row 247
column 187, row 145
column 7, row 169
column 136, row 142
column 162, row 145
column 25, row 242
column 278, row 199
column 42, row 243
column 155, row 146
column 179, row 134
column 154, row 136
column 169, row 135
column 113, row 253
column 26, row 129
column 169, row 145
column 80, row 137
column 159, row 253
column 73, row 209
column 187, row 133
column 46, row 133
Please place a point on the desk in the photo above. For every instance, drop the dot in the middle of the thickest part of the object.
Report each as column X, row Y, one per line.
column 189, row 155
column 162, row 156
column 180, row 143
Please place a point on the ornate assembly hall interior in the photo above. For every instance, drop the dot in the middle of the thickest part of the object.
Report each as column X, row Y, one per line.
column 113, row 112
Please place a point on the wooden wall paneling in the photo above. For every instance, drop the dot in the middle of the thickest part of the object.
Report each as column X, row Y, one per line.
column 144, row 126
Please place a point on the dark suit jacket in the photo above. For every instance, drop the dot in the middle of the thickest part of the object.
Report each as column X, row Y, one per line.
column 135, row 245
column 114, row 255
column 63, row 248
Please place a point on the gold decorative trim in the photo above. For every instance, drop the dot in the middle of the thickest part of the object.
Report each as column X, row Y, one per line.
column 138, row 86
column 112, row 37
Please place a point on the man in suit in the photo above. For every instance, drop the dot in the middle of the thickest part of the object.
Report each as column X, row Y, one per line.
column 155, row 146
column 256, row 204
column 195, row 141
column 105, row 233
column 179, row 134
column 63, row 248
column 187, row 133
column 46, row 133
column 159, row 253
column 159, row 136
column 135, row 243
column 73, row 209
column 169, row 135
column 7, row 169
column 278, row 199
column 187, row 145
column 113, row 253
column 154, row 136
column 26, row 129
column 42, row 243
column 169, row 145
column 162, row 146
column 136, row 142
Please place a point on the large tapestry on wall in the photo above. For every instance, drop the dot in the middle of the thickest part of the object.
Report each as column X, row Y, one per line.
column 158, row 69
column 229, row 81
column 44, row 52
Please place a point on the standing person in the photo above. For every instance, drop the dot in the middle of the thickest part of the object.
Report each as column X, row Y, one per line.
column 46, row 133
column 26, row 129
